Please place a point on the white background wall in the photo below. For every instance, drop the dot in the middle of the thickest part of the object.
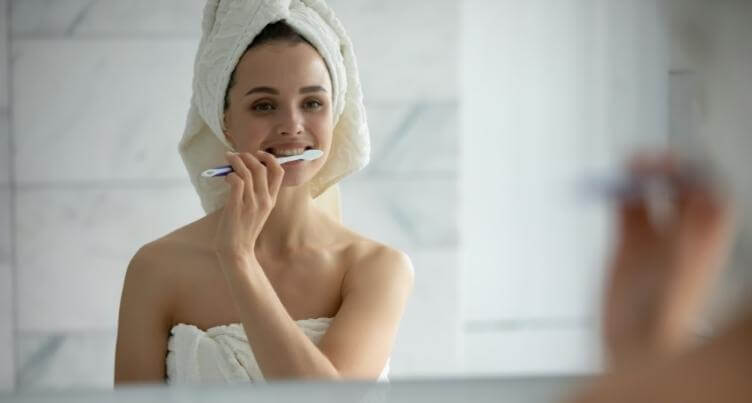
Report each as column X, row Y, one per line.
column 551, row 92
column 7, row 368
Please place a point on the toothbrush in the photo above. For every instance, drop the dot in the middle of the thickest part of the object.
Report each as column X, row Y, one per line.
column 625, row 186
column 308, row 155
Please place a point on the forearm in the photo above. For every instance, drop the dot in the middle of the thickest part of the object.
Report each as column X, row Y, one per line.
column 281, row 348
column 717, row 371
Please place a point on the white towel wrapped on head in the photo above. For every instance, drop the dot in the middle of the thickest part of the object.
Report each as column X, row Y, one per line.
column 228, row 27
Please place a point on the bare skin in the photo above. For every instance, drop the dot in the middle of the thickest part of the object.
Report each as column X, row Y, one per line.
column 660, row 277
column 269, row 257
column 717, row 371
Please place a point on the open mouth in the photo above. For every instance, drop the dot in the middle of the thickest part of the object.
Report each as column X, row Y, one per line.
column 287, row 152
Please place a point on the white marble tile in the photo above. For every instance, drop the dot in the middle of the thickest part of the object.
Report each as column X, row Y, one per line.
column 101, row 109
column 405, row 49
column 7, row 322
column 54, row 18
column 532, row 351
column 4, row 55
column 66, row 360
column 417, row 138
column 74, row 246
column 408, row 214
column 45, row 17
column 428, row 339
column 5, row 157
column 399, row 58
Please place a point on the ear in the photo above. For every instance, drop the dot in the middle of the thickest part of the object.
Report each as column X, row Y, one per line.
column 226, row 132
column 229, row 138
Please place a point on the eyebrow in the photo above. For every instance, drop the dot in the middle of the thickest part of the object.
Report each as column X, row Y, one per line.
column 266, row 90
column 312, row 88
column 270, row 90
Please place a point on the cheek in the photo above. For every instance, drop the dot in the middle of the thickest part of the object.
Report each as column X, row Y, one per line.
column 249, row 133
column 324, row 130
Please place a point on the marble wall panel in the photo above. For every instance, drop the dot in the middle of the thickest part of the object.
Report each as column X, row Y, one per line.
column 74, row 246
column 100, row 110
column 105, row 18
column 60, row 360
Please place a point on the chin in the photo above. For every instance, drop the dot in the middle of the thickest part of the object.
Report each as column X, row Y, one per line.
column 295, row 179
column 292, row 182
column 300, row 175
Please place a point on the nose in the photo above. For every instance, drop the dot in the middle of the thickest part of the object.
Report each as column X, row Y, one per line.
column 291, row 123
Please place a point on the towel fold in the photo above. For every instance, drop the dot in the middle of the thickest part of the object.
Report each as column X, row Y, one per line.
column 222, row 354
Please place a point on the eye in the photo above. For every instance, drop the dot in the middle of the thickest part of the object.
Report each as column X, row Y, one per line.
column 312, row 104
column 263, row 107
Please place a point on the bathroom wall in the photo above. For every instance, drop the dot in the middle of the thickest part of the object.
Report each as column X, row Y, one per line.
column 556, row 91
column 552, row 93
column 7, row 350
column 100, row 93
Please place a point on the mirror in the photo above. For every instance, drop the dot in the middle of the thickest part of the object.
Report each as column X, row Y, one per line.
column 483, row 117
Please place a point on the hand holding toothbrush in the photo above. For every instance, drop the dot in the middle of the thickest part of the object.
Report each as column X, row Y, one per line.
column 662, row 269
column 254, row 181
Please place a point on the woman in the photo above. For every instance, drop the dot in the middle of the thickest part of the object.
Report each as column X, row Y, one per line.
column 267, row 285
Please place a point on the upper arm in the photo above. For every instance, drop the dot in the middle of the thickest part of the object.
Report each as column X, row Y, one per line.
column 144, row 320
column 374, row 295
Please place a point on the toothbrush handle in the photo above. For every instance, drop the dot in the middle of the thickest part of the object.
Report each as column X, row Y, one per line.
column 282, row 160
column 223, row 170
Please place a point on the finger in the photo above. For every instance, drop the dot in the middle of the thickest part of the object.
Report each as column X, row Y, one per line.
column 275, row 172
column 235, row 198
column 238, row 165
column 658, row 188
column 647, row 163
column 641, row 162
column 635, row 224
column 258, row 172
column 240, row 168
column 705, row 227
column 700, row 182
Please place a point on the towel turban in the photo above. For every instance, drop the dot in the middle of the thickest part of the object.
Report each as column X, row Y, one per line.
column 228, row 27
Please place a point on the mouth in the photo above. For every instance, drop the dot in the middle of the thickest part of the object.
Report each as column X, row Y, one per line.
column 287, row 151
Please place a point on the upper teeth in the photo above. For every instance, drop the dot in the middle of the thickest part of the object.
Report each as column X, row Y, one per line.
column 290, row 152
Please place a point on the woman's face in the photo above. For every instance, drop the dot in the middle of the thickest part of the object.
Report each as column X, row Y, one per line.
column 282, row 103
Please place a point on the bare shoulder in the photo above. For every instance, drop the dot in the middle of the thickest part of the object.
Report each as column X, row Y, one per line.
column 161, row 253
column 145, row 315
column 149, row 275
column 371, row 261
column 161, row 270
column 156, row 264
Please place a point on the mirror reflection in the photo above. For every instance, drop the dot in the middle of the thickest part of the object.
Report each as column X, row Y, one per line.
column 507, row 189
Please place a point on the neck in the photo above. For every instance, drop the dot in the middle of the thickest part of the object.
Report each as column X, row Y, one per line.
column 294, row 223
